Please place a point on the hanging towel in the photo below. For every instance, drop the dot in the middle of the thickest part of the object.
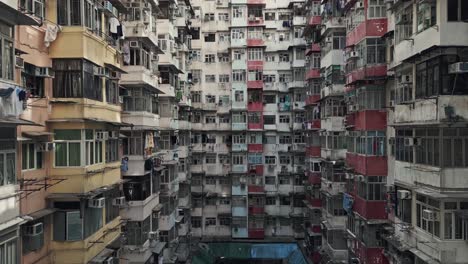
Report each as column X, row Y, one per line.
column 113, row 24
column 126, row 52
column 51, row 34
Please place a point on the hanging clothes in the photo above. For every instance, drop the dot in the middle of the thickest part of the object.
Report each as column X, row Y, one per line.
column 51, row 34
column 113, row 24
column 6, row 92
column 126, row 52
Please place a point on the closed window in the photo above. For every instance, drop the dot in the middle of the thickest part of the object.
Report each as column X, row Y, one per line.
column 210, row 78
column 210, row 221
column 426, row 15
column 457, row 10
column 31, row 157
column 270, row 160
column 376, row 9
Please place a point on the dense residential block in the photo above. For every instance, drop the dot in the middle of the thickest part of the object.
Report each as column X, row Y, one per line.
column 144, row 131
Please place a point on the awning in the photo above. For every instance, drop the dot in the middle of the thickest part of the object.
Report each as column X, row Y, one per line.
column 157, row 249
column 37, row 133
column 82, row 120
column 23, row 139
column 12, row 222
column 13, row 121
column 114, row 68
column 42, row 213
column 13, row 16
column 423, row 256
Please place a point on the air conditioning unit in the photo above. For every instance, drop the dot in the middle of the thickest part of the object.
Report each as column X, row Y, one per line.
column 45, row 146
column 402, row 19
column 146, row 20
column 390, row 188
column 328, row 39
column 391, row 141
column 121, row 99
column 101, row 71
column 110, row 260
column 113, row 134
column 153, row 235
column 354, row 54
column 97, row 203
column 134, row 44
column 242, row 180
column 19, row 62
column 102, row 135
column 360, row 5
column 392, row 103
column 34, row 230
column 406, row 79
column 115, row 75
column 119, row 201
column 430, row 215
column 154, row 57
column 403, row 194
column 459, row 67
column 409, row 142
column 44, row 72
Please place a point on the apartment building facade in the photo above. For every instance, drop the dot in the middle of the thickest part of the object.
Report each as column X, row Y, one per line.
column 248, row 145
column 390, row 83
column 88, row 175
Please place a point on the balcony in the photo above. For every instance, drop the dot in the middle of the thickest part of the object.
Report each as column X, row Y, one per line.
column 333, row 188
column 256, row 189
column 367, row 165
column 256, row 210
column 239, row 168
column 255, row 148
column 432, row 110
column 314, row 178
column 299, row 21
column 255, row 84
column 313, row 74
column 332, row 57
column 367, row 28
column 79, row 42
column 332, row 123
column 239, row 147
column 140, row 210
column 332, row 22
column 369, row 72
column 313, row 203
column 239, row 189
column 239, row 211
column 239, row 126
column 255, row 42
column 140, row 118
column 255, row 126
column 137, row 29
column 296, row 84
column 239, row 64
column 312, row 99
column 255, row 21
column 338, row 255
column 369, row 209
column 333, row 154
column 314, row 21
column 239, row 232
column 256, row 233
column 313, row 124
column 313, row 48
column 255, row 106
column 285, row 189
column 255, row 65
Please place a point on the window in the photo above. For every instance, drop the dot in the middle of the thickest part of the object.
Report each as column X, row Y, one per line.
column 237, row 159
column 372, row 188
column 238, row 11
column 455, row 227
column 432, row 78
column 31, row 157
column 210, row 159
column 238, row 139
column 238, row 76
column 376, row 49
column 195, row 55
column 239, row 96
column 255, row 54
column 376, row 9
column 270, row 78
column 34, row 84
column 269, row 120
column 8, row 248
column 426, row 15
column 270, row 16
column 210, row 221
column 210, row 37
column 426, row 203
column 269, row 57
column 210, row 99
column 285, row 139
column 209, row 17
column 74, row 78
column 210, row 58
column 35, row 7
column 284, row 119
column 285, row 200
column 210, row 78
column 283, row 57
column 339, row 38
column 196, row 221
column 270, row 180
column 237, row 54
column 403, row 151
column 239, row 118
column 223, row 17
column 224, row 181
column 224, row 57
column 270, row 160
column 93, row 148
column 196, row 76
column 371, row 143
column 69, row 13
column 225, row 221
column 196, row 96
column 224, row 78
column 237, row 33
column 269, row 99
column 68, row 148
column 285, row 159
column 255, row 75
column 457, row 10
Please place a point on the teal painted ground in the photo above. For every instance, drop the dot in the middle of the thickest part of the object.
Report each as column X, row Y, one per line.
column 208, row 253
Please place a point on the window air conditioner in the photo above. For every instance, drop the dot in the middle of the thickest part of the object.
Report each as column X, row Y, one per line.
column 97, row 203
